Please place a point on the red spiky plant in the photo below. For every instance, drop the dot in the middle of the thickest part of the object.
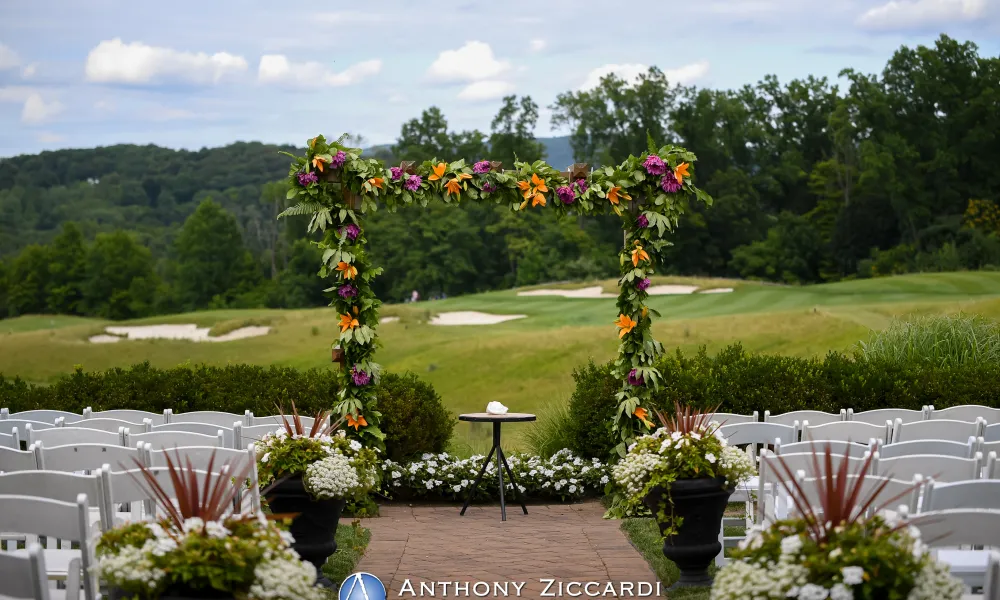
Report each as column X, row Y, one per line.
column 686, row 419
column 841, row 501
column 319, row 428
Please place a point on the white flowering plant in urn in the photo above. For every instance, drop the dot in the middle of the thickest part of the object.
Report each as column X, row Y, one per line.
column 842, row 549
column 201, row 549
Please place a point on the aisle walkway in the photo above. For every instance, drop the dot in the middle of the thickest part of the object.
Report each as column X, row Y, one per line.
column 571, row 542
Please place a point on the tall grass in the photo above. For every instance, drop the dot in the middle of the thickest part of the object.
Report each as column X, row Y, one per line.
column 935, row 340
column 551, row 433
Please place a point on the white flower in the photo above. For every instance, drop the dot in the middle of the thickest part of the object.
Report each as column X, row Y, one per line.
column 285, row 578
column 216, row 529
column 430, row 484
column 266, row 457
column 811, row 591
column 336, row 476
column 841, row 592
column 572, row 489
column 853, row 575
column 356, row 445
column 604, row 479
column 193, row 524
column 835, row 553
column 710, row 458
column 457, row 488
column 396, row 474
column 791, row 545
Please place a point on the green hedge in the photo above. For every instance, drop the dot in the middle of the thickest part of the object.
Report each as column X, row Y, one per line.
column 742, row 382
column 236, row 388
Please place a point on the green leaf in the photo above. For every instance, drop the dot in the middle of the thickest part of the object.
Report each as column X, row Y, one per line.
column 293, row 192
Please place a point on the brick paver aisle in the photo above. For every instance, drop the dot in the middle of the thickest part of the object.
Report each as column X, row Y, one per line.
column 564, row 542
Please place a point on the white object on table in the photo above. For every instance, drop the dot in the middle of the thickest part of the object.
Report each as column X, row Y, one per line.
column 495, row 408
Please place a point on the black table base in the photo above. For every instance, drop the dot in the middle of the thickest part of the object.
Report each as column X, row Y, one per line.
column 501, row 467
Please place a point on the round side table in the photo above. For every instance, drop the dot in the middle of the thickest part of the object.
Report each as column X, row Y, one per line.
column 502, row 465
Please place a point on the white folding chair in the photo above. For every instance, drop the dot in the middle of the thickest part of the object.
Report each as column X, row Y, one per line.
column 738, row 434
column 732, row 418
column 991, row 433
column 815, row 417
column 57, row 485
column 930, row 466
column 937, row 429
column 68, row 521
column 106, row 424
column 944, row 530
column 12, row 440
column 86, row 457
column 17, row 460
column 159, row 440
column 881, row 415
column 45, row 416
column 200, row 457
column 254, row 433
column 820, row 446
column 60, row 436
column 771, row 502
column 11, row 425
column 894, row 492
column 975, row 494
column 942, row 447
column 202, row 428
column 130, row 487
column 23, row 575
column 847, row 431
column 212, row 417
column 125, row 414
column 253, row 420
column 966, row 412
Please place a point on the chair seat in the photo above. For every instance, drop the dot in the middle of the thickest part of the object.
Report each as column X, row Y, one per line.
column 967, row 565
column 57, row 561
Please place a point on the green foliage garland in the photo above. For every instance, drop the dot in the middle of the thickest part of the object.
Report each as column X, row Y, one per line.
column 334, row 184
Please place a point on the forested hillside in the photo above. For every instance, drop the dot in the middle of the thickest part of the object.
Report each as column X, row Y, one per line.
column 813, row 181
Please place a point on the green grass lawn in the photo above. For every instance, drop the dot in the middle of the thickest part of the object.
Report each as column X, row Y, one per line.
column 352, row 541
column 527, row 364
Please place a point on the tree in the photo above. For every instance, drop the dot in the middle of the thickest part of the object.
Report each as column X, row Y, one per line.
column 513, row 134
column 67, row 272
column 211, row 259
column 428, row 137
column 120, row 280
column 28, row 277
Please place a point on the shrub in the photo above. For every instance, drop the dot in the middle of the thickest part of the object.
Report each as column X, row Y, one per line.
column 593, row 406
column 940, row 340
column 413, row 418
column 552, row 432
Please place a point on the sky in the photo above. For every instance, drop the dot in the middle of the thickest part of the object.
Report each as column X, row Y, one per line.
column 192, row 74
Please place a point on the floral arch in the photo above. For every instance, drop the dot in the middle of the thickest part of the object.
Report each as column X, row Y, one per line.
column 336, row 186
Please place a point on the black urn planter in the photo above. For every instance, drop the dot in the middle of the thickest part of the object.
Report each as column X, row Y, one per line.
column 315, row 526
column 700, row 503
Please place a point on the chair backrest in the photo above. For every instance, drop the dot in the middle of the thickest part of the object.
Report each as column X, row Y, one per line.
column 937, row 429
column 106, row 424
column 56, row 519
column 846, row 431
column 958, row 527
column 11, row 440
column 759, row 433
column 60, row 436
column 168, row 439
column 930, row 466
column 820, row 446
column 895, row 492
column 56, row 485
column 12, row 425
column 45, row 416
column 987, row 447
column 24, row 576
column 724, row 418
column 17, row 460
column 254, row 433
column 131, row 487
column 943, row 447
column 201, row 455
column 991, row 433
column 202, row 428
column 212, row 417
column 86, row 457
column 771, row 473
column 881, row 415
column 966, row 412
column 976, row 494
column 815, row 417
column 125, row 414
column 254, row 420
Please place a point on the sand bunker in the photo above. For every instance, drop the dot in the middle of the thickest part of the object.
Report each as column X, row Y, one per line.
column 671, row 290
column 587, row 292
column 384, row 320
column 716, row 291
column 175, row 332
column 471, row 317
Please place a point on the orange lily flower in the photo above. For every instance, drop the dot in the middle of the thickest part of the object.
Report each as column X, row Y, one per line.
column 538, row 182
column 376, row 182
column 643, row 415
column 616, row 192
column 318, row 163
column 638, row 255
column 681, row 172
column 625, row 324
column 464, row 176
column 537, row 199
column 524, row 204
column 346, row 270
column 525, row 188
column 645, row 311
column 348, row 322
column 453, row 187
column 438, row 172
column 355, row 423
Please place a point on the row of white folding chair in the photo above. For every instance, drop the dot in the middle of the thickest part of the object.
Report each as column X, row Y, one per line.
column 937, row 429
column 42, row 415
column 24, row 574
column 225, row 419
column 123, row 437
column 881, row 415
column 945, row 530
column 968, row 412
column 35, row 516
column 798, row 416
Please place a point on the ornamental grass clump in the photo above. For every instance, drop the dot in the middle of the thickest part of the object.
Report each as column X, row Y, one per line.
column 200, row 548
column 330, row 464
column 835, row 549
column 687, row 445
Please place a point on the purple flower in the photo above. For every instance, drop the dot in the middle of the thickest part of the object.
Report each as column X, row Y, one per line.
column 634, row 378
column 338, row 159
column 655, row 165
column 306, row 178
column 413, row 183
column 481, row 167
column 353, row 231
column 395, row 173
column 581, row 185
column 565, row 194
column 347, row 291
column 642, row 221
column 642, row 285
column 670, row 184
column 489, row 188
column 360, row 377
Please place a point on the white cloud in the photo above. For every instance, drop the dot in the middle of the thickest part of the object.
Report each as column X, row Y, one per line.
column 113, row 61
column 47, row 137
column 486, row 90
column 8, row 58
column 684, row 75
column 37, row 110
column 277, row 69
column 15, row 93
column 537, row 45
column 472, row 62
column 911, row 14
column 29, row 71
